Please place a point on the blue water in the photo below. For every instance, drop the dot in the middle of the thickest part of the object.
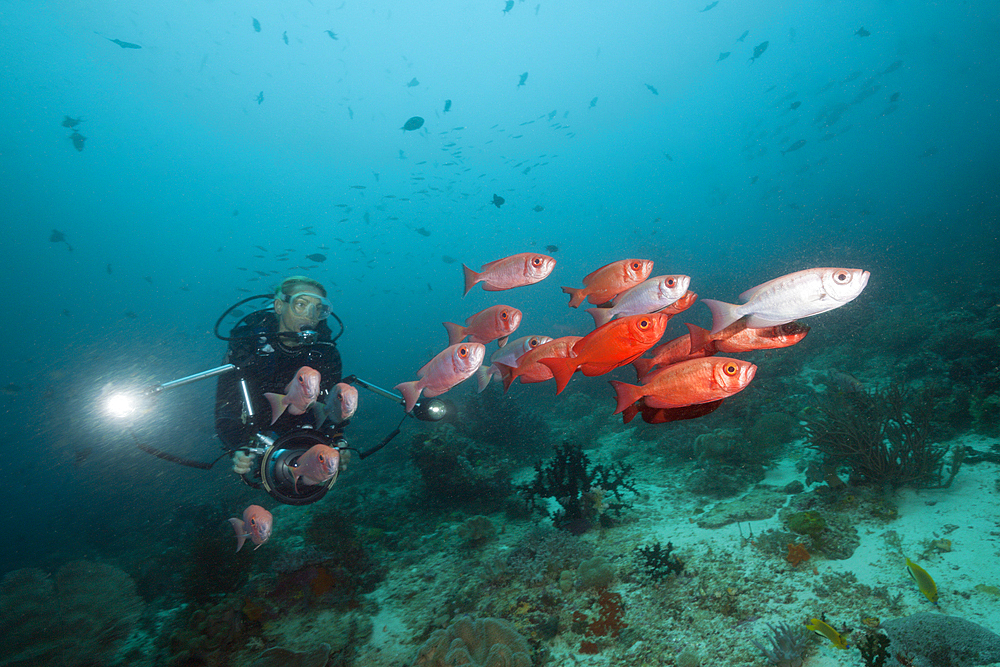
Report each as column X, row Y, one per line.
column 183, row 173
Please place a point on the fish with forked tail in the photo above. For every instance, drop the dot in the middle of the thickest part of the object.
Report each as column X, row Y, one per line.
column 758, row 51
column 255, row 524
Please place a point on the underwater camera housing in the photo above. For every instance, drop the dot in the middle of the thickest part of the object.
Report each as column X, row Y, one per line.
column 276, row 472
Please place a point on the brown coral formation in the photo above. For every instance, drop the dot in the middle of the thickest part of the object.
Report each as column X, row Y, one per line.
column 82, row 616
column 484, row 642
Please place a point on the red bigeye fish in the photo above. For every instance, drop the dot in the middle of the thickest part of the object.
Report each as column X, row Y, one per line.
column 528, row 368
column 495, row 323
column 508, row 356
column 343, row 402
column 318, row 465
column 664, row 415
column 790, row 297
column 256, row 524
column 449, row 367
column 299, row 395
column 667, row 354
column 687, row 383
column 604, row 349
column 649, row 296
column 526, row 268
column 609, row 281
column 737, row 337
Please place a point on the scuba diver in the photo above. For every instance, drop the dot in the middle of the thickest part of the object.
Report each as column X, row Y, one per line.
column 269, row 347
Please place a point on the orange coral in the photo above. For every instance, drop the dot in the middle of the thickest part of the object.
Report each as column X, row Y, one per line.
column 796, row 554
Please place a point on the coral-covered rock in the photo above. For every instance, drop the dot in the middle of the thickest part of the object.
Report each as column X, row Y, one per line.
column 484, row 642
column 81, row 617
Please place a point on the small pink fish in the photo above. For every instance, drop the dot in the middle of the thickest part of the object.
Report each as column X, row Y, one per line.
column 256, row 524
column 526, row 268
column 508, row 355
column 449, row 367
column 343, row 402
column 495, row 323
column 318, row 465
column 299, row 395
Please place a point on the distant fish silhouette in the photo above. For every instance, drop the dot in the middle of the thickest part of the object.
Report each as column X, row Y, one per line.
column 894, row 97
column 593, row 103
column 710, row 6
column 723, row 56
column 77, row 140
column 743, row 36
column 794, row 147
column 124, row 45
column 256, row 25
column 422, row 231
column 538, row 209
column 284, row 36
column 413, row 82
column 498, row 201
column 260, row 97
column 758, row 51
column 861, row 32
column 509, row 6
column 331, row 33
column 524, row 77
column 447, row 106
column 414, row 123
column 71, row 122
column 652, row 90
column 316, row 257
column 59, row 237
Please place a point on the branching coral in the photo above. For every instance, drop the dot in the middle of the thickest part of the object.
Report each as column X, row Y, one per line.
column 581, row 489
column 884, row 440
column 484, row 642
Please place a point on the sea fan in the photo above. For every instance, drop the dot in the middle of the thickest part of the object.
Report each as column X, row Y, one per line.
column 788, row 645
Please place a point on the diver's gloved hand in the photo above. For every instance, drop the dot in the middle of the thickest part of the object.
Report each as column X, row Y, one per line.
column 242, row 462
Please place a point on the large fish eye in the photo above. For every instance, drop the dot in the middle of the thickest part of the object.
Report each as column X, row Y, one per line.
column 533, row 342
column 536, row 261
column 322, row 459
column 671, row 282
column 253, row 522
column 636, row 266
column 463, row 351
column 644, row 324
column 841, row 277
column 503, row 314
column 730, row 369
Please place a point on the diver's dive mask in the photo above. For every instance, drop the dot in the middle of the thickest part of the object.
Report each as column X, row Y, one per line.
column 308, row 305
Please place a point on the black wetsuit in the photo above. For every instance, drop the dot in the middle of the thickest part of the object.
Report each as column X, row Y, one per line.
column 268, row 365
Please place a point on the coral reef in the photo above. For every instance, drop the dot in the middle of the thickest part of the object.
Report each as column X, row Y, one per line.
column 882, row 437
column 936, row 640
column 484, row 642
column 283, row 657
column 595, row 572
column 788, row 646
column 476, row 531
column 660, row 561
column 80, row 617
column 581, row 489
column 540, row 556
column 457, row 470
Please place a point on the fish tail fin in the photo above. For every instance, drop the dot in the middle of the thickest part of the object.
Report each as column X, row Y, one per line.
column 723, row 314
column 471, row 278
column 241, row 535
column 629, row 413
column 483, row 377
column 601, row 315
column 278, row 405
column 576, row 296
column 626, row 394
column 456, row 332
column 507, row 374
column 562, row 370
column 643, row 367
column 699, row 337
column 410, row 392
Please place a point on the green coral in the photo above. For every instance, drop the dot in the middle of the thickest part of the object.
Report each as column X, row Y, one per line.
column 807, row 523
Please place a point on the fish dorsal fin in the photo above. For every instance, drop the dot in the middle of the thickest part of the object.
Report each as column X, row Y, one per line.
column 590, row 276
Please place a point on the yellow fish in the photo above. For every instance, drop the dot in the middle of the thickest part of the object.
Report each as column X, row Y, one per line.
column 821, row 628
column 924, row 581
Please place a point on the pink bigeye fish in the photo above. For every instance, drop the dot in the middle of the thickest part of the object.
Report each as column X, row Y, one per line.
column 526, row 268
column 790, row 297
column 495, row 323
column 255, row 524
column 508, row 355
column 318, row 465
column 343, row 402
column 648, row 296
column 299, row 395
column 449, row 367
